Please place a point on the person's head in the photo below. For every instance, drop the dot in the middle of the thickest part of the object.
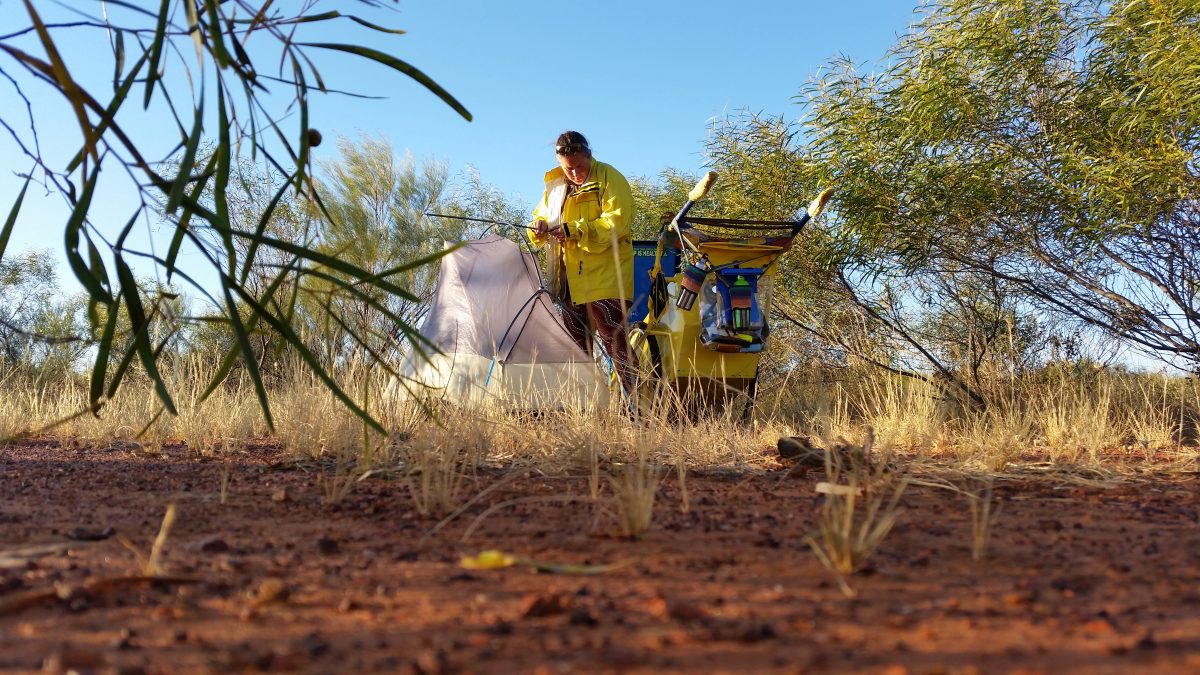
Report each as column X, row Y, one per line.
column 574, row 156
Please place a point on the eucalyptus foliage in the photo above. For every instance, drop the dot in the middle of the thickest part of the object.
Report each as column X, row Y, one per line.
column 376, row 206
column 1049, row 145
column 34, row 322
column 234, row 73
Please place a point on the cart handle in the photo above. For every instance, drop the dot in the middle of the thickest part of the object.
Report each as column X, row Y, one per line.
column 815, row 207
column 696, row 194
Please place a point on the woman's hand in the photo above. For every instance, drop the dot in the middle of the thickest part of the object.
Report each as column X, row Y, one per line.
column 545, row 229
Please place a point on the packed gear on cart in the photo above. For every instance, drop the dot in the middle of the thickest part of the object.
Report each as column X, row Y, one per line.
column 708, row 299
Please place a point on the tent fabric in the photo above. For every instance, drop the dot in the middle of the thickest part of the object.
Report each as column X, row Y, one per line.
column 502, row 340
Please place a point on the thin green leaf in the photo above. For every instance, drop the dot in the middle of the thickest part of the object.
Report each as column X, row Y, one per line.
column 96, row 263
column 149, row 424
column 293, row 299
column 63, row 420
column 188, row 161
column 222, row 372
column 419, row 262
column 11, row 221
column 71, row 237
column 118, row 375
column 302, row 100
column 419, row 341
column 201, row 288
column 214, row 32
column 93, row 315
column 119, row 57
column 69, row 88
column 372, row 26
column 258, row 19
column 335, row 263
column 141, row 331
column 106, row 119
column 103, row 350
column 361, row 340
column 156, row 50
column 227, row 362
column 396, row 64
column 263, row 220
column 193, row 19
column 290, row 177
column 310, row 18
column 124, row 232
column 243, row 59
column 314, row 365
column 333, row 14
column 243, row 338
column 224, row 149
column 181, row 228
column 316, row 73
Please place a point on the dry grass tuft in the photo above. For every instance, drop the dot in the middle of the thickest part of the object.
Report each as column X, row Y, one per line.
column 151, row 565
column 337, row 484
column 981, row 500
column 1077, row 424
column 635, row 486
column 992, row 439
column 861, row 504
column 436, row 464
column 906, row 412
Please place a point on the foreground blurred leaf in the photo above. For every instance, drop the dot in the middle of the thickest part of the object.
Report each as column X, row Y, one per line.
column 395, row 63
column 268, row 267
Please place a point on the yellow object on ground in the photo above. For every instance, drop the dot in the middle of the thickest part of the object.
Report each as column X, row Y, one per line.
column 495, row 560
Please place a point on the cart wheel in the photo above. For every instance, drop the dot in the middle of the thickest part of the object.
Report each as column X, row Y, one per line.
column 751, row 390
column 648, row 357
column 646, row 350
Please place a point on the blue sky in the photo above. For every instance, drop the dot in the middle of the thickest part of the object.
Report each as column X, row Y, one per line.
column 643, row 80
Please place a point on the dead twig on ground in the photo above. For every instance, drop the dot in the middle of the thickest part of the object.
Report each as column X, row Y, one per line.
column 66, row 592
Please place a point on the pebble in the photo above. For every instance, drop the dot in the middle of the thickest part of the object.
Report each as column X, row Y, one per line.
column 213, row 544
column 271, row 591
column 430, row 662
column 90, row 534
column 549, row 604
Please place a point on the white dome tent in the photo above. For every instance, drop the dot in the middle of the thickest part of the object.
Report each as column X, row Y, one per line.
column 501, row 338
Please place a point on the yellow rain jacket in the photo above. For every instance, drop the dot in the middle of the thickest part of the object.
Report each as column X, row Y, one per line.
column 596, row 259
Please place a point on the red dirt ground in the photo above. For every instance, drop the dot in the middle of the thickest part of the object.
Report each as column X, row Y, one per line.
column 1078, row 579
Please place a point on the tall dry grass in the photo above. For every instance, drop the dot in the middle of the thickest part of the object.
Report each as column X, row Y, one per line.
column 909, row 414
column 57, row 409
column 1063, row 417
column 990, row 440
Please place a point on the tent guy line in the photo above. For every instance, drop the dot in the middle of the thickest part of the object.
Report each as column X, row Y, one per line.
column 480, row 220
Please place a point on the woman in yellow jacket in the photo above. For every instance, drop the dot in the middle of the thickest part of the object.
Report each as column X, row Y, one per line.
column 585, row 215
